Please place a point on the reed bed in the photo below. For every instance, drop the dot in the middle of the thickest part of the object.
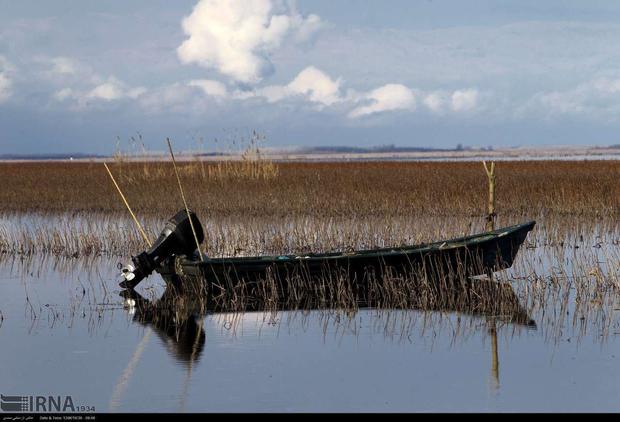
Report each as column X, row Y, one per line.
column 567, row 273
column 72, row 209
column 379, row 190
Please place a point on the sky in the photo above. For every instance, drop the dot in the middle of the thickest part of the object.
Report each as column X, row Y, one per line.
column 87, row 77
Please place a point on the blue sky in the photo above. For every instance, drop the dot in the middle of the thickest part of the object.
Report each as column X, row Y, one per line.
column 76, row 76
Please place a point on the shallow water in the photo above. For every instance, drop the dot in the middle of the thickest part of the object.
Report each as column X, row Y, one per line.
column 65, row 331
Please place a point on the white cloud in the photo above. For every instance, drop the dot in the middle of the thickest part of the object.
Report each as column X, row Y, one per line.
column 459, row 101
column 210, row 87
column 61, row 71
column 107, row 91
column 307, row 27
column 113, row 89
column 435, row 101
column 87, row 88
column 110, row 90
column 63, row 66
column 386, row 98
column 311, row 84
column 316, row 85
column 64, row 94
column 273, row 93
column 235, row 37
column 464, row 100
column 598, row 98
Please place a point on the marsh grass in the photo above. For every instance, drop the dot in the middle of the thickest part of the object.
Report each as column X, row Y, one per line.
column 379, row 190
column 75, row 210
column 566, row 274
column 243, row 160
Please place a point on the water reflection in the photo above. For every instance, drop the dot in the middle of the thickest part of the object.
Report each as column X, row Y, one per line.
column 176, row 319
column 480, row 331
column 177, row 316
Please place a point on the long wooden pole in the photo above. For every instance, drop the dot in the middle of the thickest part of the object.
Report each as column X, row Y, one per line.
column 191, row 223
column 144, row 236
column 490, row 225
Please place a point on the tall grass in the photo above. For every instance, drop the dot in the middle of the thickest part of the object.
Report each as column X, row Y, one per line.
column 379, row 190
column 243, row 160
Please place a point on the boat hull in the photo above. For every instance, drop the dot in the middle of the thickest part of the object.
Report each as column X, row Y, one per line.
column 463, row 257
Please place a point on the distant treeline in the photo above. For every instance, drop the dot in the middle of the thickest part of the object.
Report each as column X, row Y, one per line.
column 383, row 148
column 58, row 156
column 304, row 150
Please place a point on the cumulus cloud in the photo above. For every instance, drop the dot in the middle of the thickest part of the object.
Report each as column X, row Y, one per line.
column 81, row 87
column 317, row 87
column 107, row 91
column 235, row 37
column 310, row 84
column 435, row 101
column 110, row 90
column 386, row 98
column 464, row 100
column 210, row 87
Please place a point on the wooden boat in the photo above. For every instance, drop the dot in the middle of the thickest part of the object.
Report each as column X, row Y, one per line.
column 467, row 256
column 174, row 252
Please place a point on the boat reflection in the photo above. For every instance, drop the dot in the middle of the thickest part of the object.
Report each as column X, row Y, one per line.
column 177, row 316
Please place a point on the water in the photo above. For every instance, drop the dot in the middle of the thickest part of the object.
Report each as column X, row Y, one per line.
column 65, row 331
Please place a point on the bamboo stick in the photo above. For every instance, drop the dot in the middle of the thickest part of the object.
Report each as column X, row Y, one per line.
column 144, row 236
column 191, row 223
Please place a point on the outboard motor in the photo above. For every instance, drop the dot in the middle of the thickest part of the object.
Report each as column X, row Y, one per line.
column 175, row 239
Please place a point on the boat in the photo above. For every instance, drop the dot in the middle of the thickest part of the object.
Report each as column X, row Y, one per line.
column 175, row 252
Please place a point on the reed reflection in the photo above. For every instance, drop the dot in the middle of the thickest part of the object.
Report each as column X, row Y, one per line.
column 177, row 316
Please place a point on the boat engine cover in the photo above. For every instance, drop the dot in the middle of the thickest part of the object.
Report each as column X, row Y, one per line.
column 175, row 239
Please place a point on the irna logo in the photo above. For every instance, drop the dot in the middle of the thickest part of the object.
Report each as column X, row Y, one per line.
column 37, row 403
